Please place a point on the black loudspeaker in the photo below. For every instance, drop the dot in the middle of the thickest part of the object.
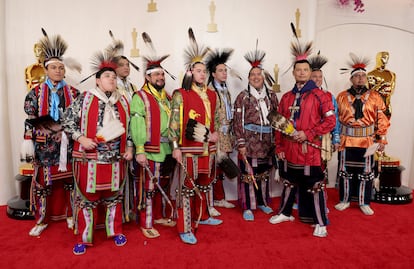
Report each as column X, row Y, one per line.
column 18, row 207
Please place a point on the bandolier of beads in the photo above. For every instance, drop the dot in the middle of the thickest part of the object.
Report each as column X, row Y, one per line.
column 86, row 204
column 366, row 177
column 41, row 192
column 318, row 187
column 287, row 184
column 345, row 175
column 113, row 202
column 68, row 186
column 150, row 194
column 187, row 192
column 204, row 188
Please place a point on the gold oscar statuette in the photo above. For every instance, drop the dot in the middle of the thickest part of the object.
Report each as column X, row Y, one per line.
column 382, row 80
column 152, row 6
column 212, row 27
column 134, row 50
column 276, row 85
column 35, row 73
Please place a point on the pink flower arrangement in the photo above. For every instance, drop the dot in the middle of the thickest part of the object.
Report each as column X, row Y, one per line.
column 358, row 5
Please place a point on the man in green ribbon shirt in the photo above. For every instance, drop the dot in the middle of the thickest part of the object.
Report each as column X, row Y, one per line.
column 150, row 114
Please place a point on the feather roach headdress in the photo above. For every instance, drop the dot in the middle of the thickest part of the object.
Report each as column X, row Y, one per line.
column 194, row 53
column 216, row 57
column 256, row 58
column 356, row 64
column 317, row 61
column 153, row 61
column 102, row 61
column 53, row 48
column 117, row 49
column 299, row 50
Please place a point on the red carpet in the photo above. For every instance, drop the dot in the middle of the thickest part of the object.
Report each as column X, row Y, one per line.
column 385, row 240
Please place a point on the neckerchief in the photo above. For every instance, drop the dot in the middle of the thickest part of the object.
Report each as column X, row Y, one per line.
column 54, row 106
column 223, row 92
column 358, row 104
column 160, row 96
column 310, row 85
column 260, row 97
column 109, row 113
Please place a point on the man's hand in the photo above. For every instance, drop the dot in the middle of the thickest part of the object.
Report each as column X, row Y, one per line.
column 300, row 136
column 87, row 143
column 177, row 155
column 214, row 137
column 141, row 158
column 128, row 154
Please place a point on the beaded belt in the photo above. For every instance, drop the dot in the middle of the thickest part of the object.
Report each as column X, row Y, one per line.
column 357, row 131
column 258, row 177
column 258, row 128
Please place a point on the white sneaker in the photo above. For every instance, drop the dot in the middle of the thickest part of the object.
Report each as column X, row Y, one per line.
column 280, row 218
column 320, row 231
column 213, row 212
column 223, row 203
column 37, row 229
column 69, row 222
column 367, row 210
column 342, row 206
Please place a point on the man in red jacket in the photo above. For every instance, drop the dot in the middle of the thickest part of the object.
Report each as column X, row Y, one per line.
column 311, row 113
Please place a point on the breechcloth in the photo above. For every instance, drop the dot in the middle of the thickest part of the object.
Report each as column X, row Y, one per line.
column 87, row 206
column 355, row 176
column 311, row 196
column 153, row 205
column 52, row 193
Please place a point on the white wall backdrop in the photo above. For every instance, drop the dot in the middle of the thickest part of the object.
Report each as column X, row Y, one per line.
column 385, row 25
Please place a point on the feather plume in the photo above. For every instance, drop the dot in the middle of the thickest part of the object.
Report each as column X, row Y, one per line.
column 355, row 63
column 27, row 150
column 235, row 74
column 292, row 26
column 44, row 32
column 148, row 41
column 196, row 131
column 317, row 61
column 195, row 52
column 153, row 60
column 255, row 58
column 117, row 49
column 111, row 35
column 53, row 47
column 110, row 131
column 299, row 51
column 73, row 64
column 269, row 79
column 281, row 124
column 117, row 46
column 226, row 164
column 100, row 60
